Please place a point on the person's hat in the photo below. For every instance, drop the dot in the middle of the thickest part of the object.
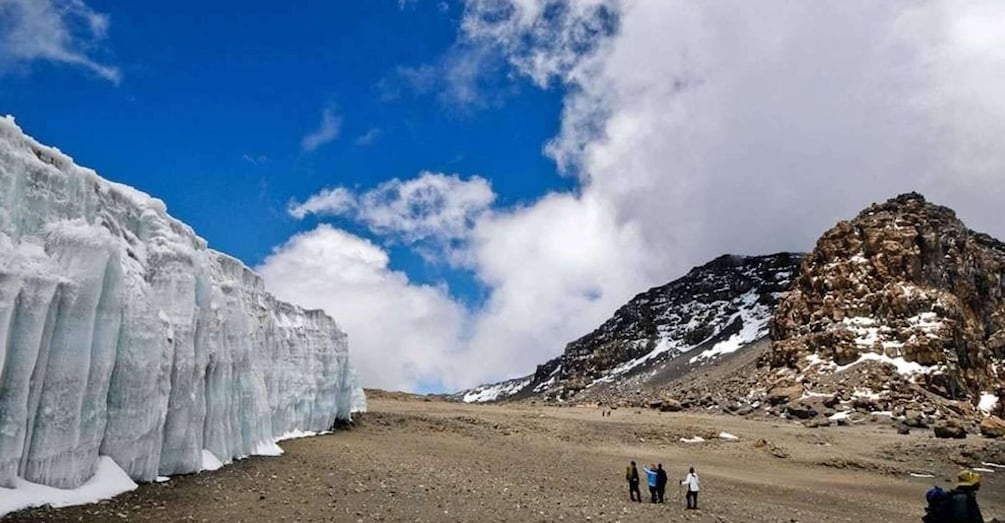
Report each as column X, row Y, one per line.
column 968, row 478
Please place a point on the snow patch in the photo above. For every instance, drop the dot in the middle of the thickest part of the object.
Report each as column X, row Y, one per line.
column 987, row 403
column 696, row 439
column 109, row 480
column 904, row 367
column 725, row 436
column 210, row 461
column 495, row 392
column 267, row 448
column 296, row 434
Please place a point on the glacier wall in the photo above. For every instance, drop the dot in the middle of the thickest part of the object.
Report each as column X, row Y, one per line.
column 122, row 334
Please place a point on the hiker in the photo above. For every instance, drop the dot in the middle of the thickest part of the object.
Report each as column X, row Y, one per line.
column 958, row 505
column 691, row 480
column 632, row 477
column 651, row 479
column 661, row 482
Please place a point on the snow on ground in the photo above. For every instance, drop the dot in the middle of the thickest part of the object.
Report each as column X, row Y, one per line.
column 987, row 403
column 919, row 475
column 696, row 439
column 267, row 449
column 755, row 320
column 210, row 461
column 725, row 436
column 838, row 416
column 109, row 480
column 495, row 392
column 904, row 367
column 295, row 434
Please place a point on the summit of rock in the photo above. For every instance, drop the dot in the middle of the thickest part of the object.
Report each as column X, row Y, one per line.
column 906, row 284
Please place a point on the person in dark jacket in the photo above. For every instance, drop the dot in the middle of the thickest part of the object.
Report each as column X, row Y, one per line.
column 661, row 482
column 958, row 505
column 632, row 477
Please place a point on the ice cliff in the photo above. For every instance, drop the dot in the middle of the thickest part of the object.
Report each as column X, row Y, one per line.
column 123, row 335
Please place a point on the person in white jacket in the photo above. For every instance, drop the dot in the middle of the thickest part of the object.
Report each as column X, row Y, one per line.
column 691, row 480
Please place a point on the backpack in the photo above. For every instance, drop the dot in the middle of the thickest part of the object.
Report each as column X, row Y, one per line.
column 938, row 507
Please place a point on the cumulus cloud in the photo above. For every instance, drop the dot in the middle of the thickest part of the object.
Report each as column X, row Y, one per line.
column 432, row 206
column 401, row 334
column 327, row 131
column 696, row 129
column 59, row 31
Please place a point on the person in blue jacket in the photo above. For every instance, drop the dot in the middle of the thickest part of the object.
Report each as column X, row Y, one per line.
column 652, row 478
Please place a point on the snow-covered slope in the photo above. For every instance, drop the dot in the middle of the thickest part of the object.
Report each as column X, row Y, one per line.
column 714, row 310
column 123, row 335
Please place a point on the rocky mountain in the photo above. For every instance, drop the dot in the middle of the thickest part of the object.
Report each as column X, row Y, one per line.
column 903, row 307
column 714, row 310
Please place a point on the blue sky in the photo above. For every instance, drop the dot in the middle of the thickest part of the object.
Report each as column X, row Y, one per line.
column 214, row 101
column 468, row 186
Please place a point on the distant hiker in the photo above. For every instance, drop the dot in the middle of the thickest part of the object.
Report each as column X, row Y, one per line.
column 661, row 482
column 958, row 505
column 691, row 481
column 632, row 477
column 651, row 479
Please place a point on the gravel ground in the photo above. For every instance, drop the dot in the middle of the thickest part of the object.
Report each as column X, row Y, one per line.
column 414, row 460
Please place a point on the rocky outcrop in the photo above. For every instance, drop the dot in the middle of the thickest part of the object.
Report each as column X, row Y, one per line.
column 907, row 286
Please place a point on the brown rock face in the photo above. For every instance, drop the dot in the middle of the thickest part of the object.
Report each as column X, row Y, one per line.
column 993, row 427
column 904, row 282
column 949, row 429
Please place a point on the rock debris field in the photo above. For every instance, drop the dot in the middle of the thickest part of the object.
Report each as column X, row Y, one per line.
column 411, row 459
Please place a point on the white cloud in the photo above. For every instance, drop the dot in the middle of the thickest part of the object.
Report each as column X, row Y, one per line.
column 328, row 202
column 60, row 31
column 433, row 206
column 696, row 129
column 369, row 137
column 326, row 132
column 400, row 334
column 257, row 159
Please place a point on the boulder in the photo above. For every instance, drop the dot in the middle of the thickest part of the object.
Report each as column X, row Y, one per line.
column 913, row 418
column 949, row 429
column 993, row 427
column 780, row 395
column 743, row 411
column 801, row 410
column 669, row 405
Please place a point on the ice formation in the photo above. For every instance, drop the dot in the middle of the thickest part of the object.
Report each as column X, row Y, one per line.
column 123, row 335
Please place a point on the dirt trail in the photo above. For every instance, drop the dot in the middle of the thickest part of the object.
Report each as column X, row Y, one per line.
column 413, row 460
